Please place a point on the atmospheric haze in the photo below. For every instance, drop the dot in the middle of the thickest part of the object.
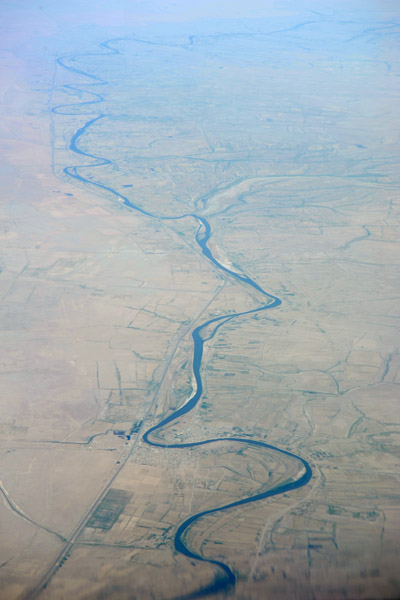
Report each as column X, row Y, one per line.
column 200, row 300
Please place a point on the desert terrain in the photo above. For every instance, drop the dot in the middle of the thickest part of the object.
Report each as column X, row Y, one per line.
column 200, row 303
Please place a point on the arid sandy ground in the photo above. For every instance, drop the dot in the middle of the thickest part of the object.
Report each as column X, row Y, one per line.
column 283, row 133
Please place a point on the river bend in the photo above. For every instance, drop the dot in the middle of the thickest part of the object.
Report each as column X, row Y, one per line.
column 225, row 577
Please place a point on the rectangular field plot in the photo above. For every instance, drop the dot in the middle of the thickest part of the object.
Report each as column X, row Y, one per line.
column 109, row 509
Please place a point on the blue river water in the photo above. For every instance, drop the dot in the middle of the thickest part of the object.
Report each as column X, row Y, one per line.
column 225, row 577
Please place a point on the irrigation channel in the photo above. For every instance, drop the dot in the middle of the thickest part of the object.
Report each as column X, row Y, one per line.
column 226, row 577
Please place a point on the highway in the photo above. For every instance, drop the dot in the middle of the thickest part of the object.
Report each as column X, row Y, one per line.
column 225, row 577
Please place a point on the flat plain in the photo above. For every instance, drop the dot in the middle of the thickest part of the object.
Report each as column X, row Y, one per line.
column 283, row 136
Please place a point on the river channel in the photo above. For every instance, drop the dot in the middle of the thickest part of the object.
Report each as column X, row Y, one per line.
column 226, row 576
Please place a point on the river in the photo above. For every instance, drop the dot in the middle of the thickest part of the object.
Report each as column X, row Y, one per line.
column 226, row 577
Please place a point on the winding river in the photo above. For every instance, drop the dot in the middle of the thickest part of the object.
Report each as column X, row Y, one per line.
column 226, row 577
